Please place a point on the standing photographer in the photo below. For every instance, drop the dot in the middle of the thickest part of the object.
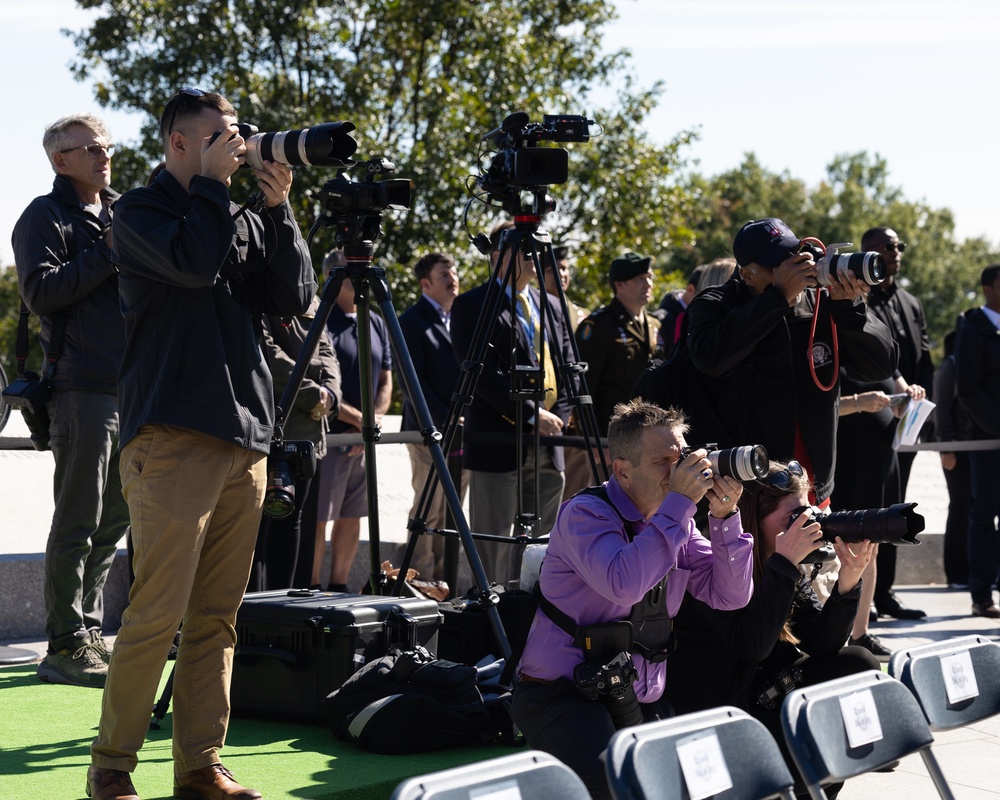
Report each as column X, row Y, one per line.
column 608, row 558
column 751, row 657
column 197, row 411
column 62, row 247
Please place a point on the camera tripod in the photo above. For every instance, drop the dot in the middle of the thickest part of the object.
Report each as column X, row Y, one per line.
column 527, row 381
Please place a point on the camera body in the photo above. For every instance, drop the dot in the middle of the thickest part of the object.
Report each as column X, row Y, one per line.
column 346, row 196
column 287, row 462
column 745, row 463
column 868, row 267
column 610, row 682
column 771, row 694
column 29, row 393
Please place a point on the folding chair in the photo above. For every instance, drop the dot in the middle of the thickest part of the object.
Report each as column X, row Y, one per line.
column 722, row 745
column 956, row 681
column 853, row 725
column 531, row 775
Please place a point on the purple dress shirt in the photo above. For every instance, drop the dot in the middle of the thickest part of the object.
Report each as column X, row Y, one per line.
column 594, row 574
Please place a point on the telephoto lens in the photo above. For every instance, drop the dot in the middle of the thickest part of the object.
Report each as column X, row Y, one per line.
column 867, row 267
column 746, row 463
column 897, row 524
column 326, row 145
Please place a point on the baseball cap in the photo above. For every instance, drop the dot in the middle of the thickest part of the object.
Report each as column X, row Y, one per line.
column 628, row 266
column 767, row 242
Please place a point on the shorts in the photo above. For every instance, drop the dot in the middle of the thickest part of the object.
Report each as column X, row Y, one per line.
column 342, row 487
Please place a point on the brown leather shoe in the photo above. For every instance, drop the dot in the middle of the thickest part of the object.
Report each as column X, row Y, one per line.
column 110, row 784
column 213, row 782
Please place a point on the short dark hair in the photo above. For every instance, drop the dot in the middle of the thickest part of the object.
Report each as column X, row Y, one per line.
column 183, row 106
column 422, row 269
column 989, row 275
column 629, row 422
column 561, row 252
column 871, row 233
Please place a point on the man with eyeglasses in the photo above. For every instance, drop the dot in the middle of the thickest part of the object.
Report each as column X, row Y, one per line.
column 62, row 248
column 903, row 315
column 197, row 412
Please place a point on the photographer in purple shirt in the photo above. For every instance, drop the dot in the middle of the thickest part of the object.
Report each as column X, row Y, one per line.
column 619, row 561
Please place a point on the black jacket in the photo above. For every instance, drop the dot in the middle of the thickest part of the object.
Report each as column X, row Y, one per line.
column 63, row 264
column 910, row 332
column 722, row 656
column 750, row 369
column 194, row 284
column 429, row 344
column 977, row 357
column 490, row 445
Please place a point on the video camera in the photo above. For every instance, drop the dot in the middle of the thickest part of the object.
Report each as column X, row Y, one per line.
column 520, row 164
column 745, row 463
column 868, row 267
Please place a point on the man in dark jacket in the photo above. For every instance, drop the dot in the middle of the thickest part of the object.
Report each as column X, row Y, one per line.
column 491, row 420
column 978, row 362
column 63, row 255
column 426, row 327
column 761, row 371
column 197, row 412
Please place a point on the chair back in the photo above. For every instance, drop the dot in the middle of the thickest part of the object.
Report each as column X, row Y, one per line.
column 531, row 775
column 724, row 746
column 852, row 725
column 956, row 681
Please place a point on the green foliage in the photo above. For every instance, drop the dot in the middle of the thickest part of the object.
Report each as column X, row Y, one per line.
column 422, row 82
column 10, row 303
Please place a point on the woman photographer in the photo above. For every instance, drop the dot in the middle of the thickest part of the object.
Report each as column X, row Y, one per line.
column 784, row 637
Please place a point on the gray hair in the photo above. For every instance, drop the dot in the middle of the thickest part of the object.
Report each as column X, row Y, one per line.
column 632, row 419
column 57, row 136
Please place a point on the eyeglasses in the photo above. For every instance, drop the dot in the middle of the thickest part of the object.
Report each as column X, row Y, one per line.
column 900, row 246
column 782, row 480
column 187, row 91
column 93, row 150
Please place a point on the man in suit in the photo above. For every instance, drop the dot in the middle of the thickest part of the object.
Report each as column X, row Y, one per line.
column 903, row 315
column 491, row 420
column 426, row 329
column 978, row 364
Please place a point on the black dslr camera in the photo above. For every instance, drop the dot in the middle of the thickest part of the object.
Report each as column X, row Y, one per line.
column 746, row 463
column 29, row 393
column 607, row 673
column 770, row 694
column 868, row 267
column 897, row 524
column 288, row 461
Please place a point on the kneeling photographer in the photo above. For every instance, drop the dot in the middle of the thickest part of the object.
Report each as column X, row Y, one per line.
column 784, row 638
column 619, row 561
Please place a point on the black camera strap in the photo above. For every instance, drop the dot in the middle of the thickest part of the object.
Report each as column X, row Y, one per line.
column 59, row 320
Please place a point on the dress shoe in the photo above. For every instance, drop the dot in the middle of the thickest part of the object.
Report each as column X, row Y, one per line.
column 985, row 610
column 213, row 782
column 889, row 606
column 110, row 784
column 873, row 645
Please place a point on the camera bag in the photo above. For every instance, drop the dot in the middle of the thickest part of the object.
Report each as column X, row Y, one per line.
column 295, row 647
column 408, row 702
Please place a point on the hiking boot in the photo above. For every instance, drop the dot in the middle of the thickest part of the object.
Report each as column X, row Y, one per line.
column 873, row 645
column 80, row 667
column 100, row 646
column 110, row 784
column 213, row 782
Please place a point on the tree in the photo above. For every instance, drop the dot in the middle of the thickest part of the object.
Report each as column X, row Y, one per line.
column 422, row 81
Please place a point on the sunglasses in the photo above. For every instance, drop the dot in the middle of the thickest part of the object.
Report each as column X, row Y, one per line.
column 900, row 246
column 782, row 480
column 187, row 91
column 93, row 150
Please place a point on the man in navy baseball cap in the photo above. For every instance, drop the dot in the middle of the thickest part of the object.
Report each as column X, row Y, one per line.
column 767, row 242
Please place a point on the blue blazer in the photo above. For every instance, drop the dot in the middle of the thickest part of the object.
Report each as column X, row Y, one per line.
column 434, row 361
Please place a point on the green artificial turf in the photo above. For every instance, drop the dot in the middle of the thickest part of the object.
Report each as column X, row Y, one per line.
column 46, row 731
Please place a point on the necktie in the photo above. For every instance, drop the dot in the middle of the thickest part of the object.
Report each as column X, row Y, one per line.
column 527, row 310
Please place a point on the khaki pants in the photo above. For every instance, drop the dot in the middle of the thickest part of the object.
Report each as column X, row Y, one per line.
column 195, row 504
column 428, row 556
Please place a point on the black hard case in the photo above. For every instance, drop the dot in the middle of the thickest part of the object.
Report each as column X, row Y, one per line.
column 295, row 647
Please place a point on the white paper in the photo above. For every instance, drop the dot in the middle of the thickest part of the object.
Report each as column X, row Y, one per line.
column 861, row 718
column 501, row 790
column 913, row 419
column 959, row 677
column 703, row 765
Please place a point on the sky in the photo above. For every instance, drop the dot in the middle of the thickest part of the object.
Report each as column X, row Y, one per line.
column 796, row 82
